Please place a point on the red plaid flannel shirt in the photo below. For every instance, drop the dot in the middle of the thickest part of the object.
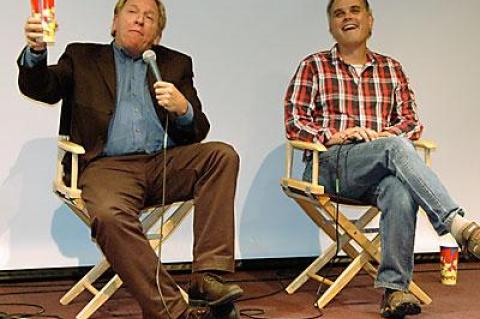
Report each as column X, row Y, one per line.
column 326, row 96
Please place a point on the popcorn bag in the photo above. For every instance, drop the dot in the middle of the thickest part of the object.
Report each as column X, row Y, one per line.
column 46, row 10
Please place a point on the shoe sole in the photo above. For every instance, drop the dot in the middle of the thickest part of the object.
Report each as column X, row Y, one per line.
column 403, row 310
column 224, row 300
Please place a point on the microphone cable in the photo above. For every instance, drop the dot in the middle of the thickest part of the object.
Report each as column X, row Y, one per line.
column 150, row 58
column 337, row 210
column 337, row 195
column 162, row 216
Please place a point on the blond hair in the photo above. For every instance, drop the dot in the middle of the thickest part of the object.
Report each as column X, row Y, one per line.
column 162, row 14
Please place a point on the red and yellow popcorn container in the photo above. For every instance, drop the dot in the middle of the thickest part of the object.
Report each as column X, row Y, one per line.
column 46, row 10
column 448, row 265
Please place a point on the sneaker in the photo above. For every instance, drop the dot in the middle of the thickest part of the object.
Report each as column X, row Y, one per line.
column 471, row 237
column 397, row 304
column 212, row 289
column 197, row 313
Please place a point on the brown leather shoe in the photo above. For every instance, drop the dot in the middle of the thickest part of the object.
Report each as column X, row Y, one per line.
column 212, row 289
column 471, row 237
column 197, row 313
column 397, row 304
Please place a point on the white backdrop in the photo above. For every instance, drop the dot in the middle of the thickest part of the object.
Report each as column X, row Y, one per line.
column 244, row 54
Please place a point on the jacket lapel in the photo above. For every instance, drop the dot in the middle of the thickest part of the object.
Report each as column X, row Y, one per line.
column 106, row 64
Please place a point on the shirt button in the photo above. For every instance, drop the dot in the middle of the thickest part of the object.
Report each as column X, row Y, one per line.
column 137, row 130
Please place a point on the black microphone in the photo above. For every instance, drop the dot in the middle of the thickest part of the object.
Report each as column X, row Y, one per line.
column 150, row 58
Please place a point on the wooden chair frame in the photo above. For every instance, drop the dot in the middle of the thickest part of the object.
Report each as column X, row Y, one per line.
column 320, row 207
column 70, row 194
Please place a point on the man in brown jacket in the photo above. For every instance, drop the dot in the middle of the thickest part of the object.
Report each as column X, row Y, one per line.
column 124, row 118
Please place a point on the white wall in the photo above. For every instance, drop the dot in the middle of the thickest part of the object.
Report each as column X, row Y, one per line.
column 244, row 54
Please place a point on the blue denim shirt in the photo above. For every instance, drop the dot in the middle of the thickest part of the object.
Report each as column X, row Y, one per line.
column 135, row 126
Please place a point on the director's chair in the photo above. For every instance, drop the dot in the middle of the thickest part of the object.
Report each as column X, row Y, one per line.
column 321, row 208
column 70, row 194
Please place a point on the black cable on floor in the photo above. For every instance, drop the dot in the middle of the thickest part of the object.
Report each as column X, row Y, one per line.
column 254, row 313
column 270, row 294
column 38, row 311
column 259, row 313
column 277, row 278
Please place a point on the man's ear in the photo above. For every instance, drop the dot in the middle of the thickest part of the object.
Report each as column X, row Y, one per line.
column 113, row 29
column 370, row 21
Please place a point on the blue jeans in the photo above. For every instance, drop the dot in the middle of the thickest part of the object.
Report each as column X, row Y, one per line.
column 389, row 174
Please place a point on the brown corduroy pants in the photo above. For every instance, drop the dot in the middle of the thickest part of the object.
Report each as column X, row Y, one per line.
column 115, row 189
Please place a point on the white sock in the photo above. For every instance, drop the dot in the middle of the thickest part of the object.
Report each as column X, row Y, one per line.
column 459, row 223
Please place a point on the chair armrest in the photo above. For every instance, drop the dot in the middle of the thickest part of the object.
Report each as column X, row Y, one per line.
column 70, row 147
column 308, row 146
column 425, row 144
column 65, row 146
column 426, row 147
column 288, row 181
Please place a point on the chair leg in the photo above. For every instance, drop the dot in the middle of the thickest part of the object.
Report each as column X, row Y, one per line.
column 172, row 223
column 100, row 298
column 362, row 260
column 184, row 294
column 419, row 293
column 85, row 282
column 314, row 267
column 321, row 261
column 344, row 239
column 341, row 281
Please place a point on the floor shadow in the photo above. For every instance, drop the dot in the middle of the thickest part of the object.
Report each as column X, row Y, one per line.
column 272, row 225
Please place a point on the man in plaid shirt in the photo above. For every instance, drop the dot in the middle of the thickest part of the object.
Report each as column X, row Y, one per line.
column 360, row 105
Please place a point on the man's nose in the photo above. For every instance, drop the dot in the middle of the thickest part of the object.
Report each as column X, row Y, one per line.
column 348, row 16
column 140, row 19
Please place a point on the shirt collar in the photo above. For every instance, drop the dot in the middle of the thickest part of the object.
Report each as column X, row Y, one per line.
column 122, row 53
column 336, row 58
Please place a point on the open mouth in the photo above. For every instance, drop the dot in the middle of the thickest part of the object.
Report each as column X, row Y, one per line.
column 349, row 27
